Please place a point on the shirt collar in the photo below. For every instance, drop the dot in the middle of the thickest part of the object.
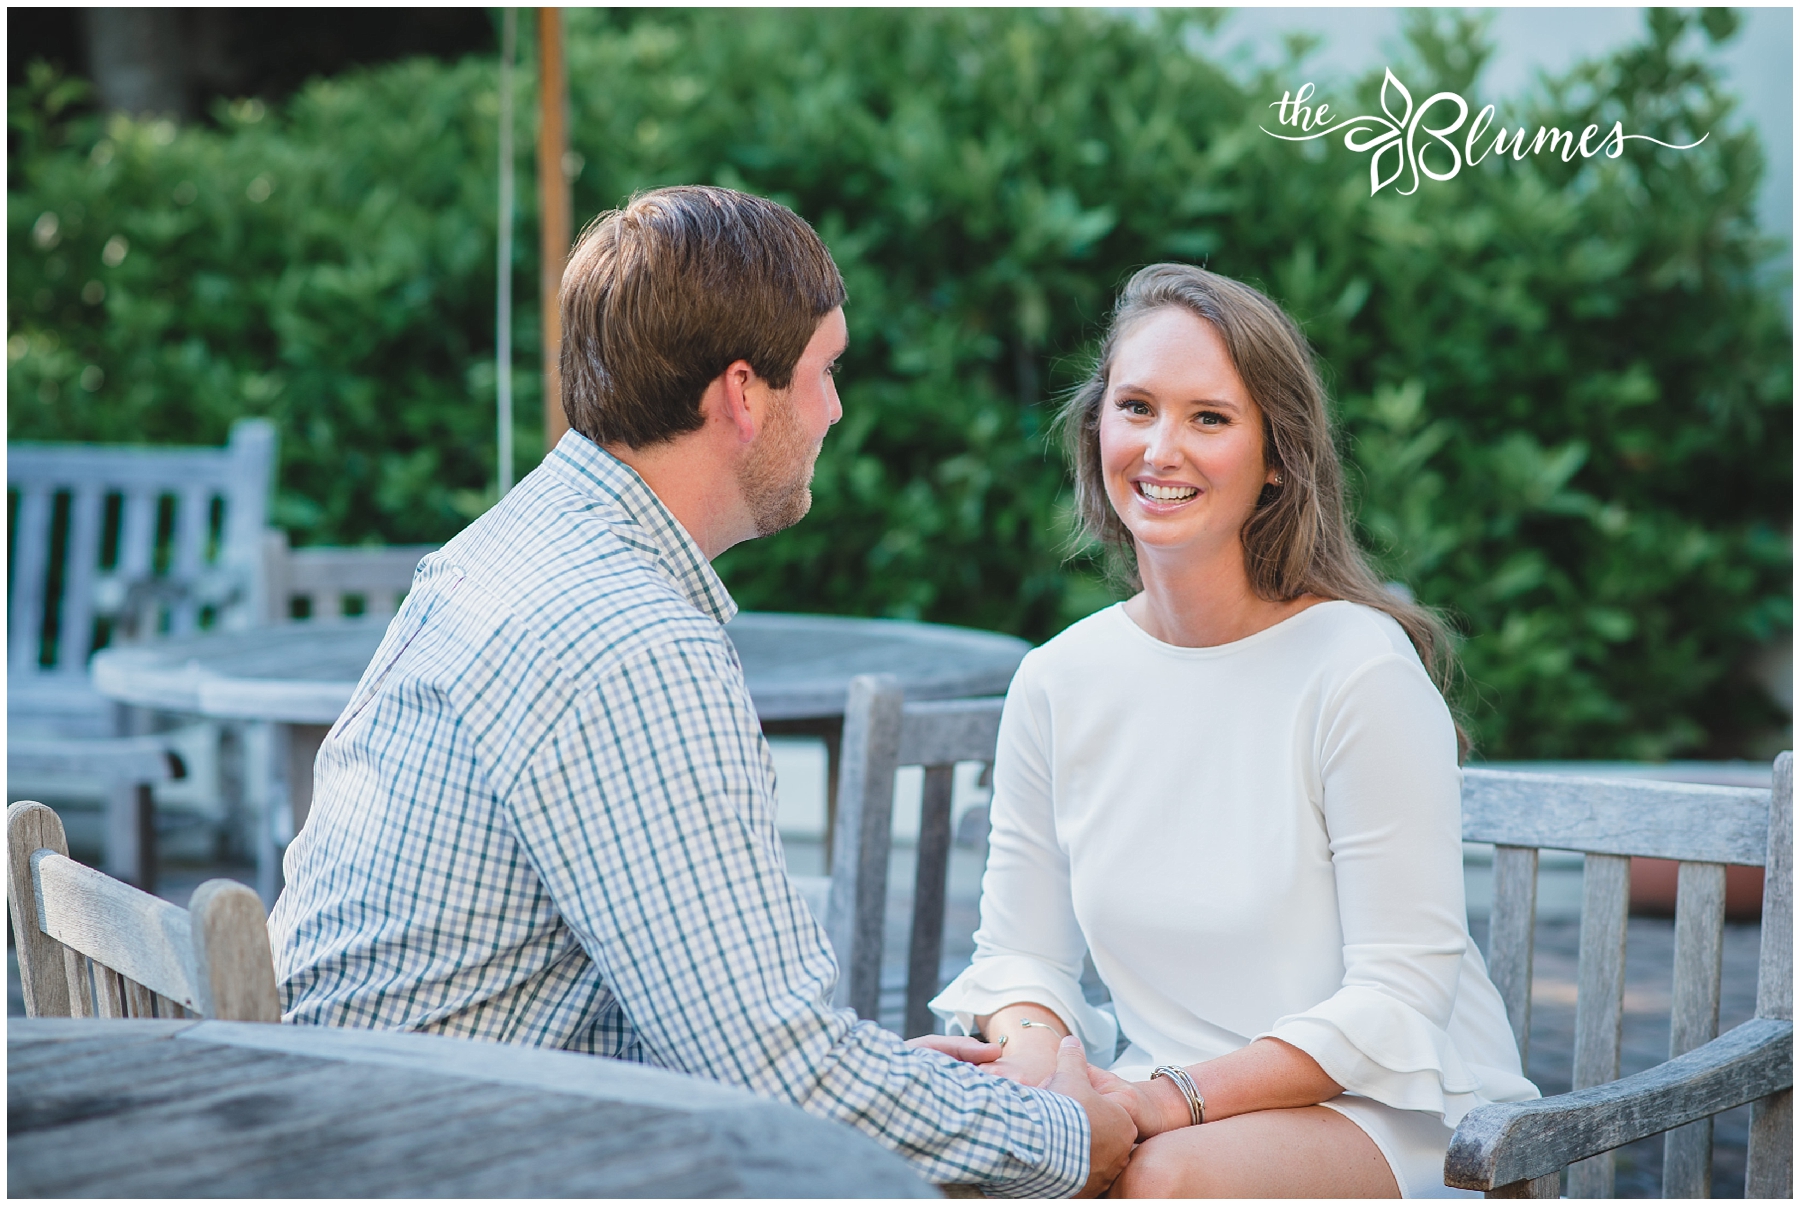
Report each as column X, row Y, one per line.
column 591, row 469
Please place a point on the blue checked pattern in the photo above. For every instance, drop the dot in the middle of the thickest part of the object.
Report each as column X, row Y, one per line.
column 548, row 817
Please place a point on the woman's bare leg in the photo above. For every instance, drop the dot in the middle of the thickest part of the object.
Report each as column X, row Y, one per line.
column 1306, row 1153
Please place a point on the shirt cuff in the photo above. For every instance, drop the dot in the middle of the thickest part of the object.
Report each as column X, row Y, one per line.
column 1067, row 1142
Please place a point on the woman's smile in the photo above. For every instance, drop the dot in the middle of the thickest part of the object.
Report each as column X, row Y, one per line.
column 1165, row 495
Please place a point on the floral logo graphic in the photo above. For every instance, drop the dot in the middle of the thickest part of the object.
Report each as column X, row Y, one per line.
column 1393, row 138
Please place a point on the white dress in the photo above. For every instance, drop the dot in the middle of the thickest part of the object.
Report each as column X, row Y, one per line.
column 1255, row 839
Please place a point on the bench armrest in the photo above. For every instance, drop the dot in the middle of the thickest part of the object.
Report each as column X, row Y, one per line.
column 130, row 759
column 1501, row 1144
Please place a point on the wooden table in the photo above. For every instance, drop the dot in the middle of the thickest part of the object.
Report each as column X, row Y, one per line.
column 297, row 678
column 139, row 1108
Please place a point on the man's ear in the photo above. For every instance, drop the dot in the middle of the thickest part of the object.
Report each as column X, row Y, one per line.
column 728, row 400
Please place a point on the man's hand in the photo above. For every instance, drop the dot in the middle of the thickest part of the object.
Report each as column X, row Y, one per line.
column 1111, row 1129
column 960, row 1047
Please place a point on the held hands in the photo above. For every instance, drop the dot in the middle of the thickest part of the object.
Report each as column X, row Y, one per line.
column 1148, row 1103
column 1111, row 1128
column 1022, row 1062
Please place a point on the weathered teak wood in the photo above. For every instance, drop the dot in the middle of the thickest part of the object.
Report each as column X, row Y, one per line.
column 53, row 633
column 137, row 759
column 143, row 1109
column 882, row 734
column 1694, row 1014
column 233, row 965
column 1681, row 821
column 132, row 765
column 140, row 1002
column 125, row 953
column 1600, row 998
column 1769, row 1166
column 1517, row 1150
column 1536, row 1187
column 925, row 952
column 124, row 930
column 1511, row 929
column 319, row 581
column 109, row 992
column 79, row 970
column 1516, row 1141
column 45, row 678
column 43, row 978
column 859, row 852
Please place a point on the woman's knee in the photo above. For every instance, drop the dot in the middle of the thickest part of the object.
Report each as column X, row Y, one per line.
column 1159, row 1168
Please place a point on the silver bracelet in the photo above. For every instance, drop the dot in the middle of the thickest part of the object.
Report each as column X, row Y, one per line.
column 1039, row 1025
column 1196, row 1104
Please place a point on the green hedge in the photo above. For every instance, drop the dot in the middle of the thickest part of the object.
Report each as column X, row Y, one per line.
column 1564, row 388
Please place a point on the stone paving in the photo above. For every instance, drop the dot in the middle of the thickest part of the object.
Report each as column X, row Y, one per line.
column 1649, row 959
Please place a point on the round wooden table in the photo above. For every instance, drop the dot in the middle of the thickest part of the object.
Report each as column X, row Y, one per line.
column 797, row 667
column 101, row 1107
column 299, row 677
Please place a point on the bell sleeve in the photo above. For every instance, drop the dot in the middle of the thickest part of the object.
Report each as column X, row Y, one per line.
column 1391, row 795
column 1029, row 947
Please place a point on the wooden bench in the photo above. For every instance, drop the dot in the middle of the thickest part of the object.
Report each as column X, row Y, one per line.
column 90, row 946
column 116, row 542
column 1519, row 1149
column 330, row 583
column 881, row 734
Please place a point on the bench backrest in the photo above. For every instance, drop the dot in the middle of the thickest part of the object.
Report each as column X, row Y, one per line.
column 90, row 946
column 105, row 535
column 881, row 734
column 1703, row 828
column 331, row 583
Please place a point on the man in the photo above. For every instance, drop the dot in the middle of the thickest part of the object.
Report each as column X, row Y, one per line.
column 547, row 816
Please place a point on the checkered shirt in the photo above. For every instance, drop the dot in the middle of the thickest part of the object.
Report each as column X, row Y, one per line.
column 548, row 818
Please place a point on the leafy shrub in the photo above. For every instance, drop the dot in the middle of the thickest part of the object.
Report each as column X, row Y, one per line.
column 1564, row 388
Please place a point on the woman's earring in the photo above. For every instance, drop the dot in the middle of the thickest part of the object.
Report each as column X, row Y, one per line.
column 1277, row 479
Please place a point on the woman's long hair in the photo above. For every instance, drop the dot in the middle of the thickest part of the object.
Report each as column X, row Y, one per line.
column 1297, row 541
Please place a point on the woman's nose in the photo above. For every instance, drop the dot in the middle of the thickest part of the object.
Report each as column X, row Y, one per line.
column 1164, row 449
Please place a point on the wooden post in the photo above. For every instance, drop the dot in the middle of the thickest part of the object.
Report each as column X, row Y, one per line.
column 503, row 267
column 554, row 206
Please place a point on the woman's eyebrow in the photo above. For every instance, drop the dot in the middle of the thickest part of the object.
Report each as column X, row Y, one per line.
column 1130, row 387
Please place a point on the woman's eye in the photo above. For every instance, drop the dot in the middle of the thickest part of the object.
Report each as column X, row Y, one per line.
column 1210, row 418
column 1134, row 406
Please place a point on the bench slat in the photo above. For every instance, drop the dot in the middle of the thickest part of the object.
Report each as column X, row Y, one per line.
column 926, row 952
column 1677, row 821
column 857, row 911
column 87, row 911
column 80, row 970
column 31, row 555
column 78, row 592
column 1769, row 1159
column 1511, row 925
column 1694, row 1014
column 942, row 732
column 1600, row 998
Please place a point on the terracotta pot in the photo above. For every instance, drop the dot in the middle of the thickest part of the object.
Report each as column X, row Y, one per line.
column 1653, row 890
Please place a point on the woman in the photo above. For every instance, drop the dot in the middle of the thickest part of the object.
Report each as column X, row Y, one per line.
column 1239, row 791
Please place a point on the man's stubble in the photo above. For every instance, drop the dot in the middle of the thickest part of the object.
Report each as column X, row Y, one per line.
column 776, row 476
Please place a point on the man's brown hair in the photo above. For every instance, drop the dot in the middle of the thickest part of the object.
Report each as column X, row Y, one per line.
column 660, row 297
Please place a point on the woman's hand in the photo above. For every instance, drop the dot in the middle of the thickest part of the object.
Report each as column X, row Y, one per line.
column 1150, row 1110
column 959, row 1047
column 1128, row 1095
column 1031, row 1034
